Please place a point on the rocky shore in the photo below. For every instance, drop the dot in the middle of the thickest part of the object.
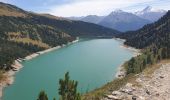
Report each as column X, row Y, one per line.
column 153, row 86
column 121, row 71
column 9, row 76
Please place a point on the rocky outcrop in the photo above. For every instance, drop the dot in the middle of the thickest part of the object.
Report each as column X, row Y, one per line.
column 155, row 87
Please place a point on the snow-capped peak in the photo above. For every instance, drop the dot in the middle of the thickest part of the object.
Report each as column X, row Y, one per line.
column 117, row 11
column 151, row 14
column 149, row 9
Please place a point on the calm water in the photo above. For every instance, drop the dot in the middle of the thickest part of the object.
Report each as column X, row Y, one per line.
column 92, row 63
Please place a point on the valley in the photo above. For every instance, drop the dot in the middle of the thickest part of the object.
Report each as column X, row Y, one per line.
column 120, row 55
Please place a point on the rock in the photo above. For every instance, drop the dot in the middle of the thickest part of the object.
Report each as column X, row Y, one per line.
column 147, row 91
column 157, row 94
column 134, row 97
column 141, row 98
column 128, row 85
column 133, row 88
column 113, row 97
column 161, row 77
column 116, row 93
column 128, row 91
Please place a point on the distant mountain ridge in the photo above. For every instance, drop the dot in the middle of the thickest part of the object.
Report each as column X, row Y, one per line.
column 125, row 21
column 92, row 19
column 157, row 34
column 151, row 14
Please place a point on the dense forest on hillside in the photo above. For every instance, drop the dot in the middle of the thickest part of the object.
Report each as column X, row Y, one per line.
column 20, row 37
column 153, row 39
column 76, row 28
column 23, row 33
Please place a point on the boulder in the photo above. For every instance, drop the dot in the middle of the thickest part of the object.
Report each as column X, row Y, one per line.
column 113, row 97
column 116, row 93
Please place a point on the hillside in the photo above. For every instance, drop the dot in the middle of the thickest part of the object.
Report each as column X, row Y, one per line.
column 157, row 33
column 92, row 19
column 154, row 41
column 22, row 32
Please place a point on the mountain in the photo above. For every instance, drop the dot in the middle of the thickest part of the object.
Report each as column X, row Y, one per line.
column 157, row 34
column 92, row 19
column 23, row 32
column 118, row 19
column 151, row 14
column 123, row 21
column 154, row 42
column 75, row 18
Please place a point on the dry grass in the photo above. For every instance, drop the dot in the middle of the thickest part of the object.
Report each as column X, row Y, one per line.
column 8, row 12
column 2, row 76
column 34, row 42
column 116, row 84
column 149, row 70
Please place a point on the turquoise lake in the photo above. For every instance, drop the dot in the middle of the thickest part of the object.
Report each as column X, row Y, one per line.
column 92, row 63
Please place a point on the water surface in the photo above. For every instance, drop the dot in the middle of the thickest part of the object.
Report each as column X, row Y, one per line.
column 92, row 63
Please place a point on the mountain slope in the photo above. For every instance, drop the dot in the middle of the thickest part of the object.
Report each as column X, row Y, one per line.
column 151, row 14
column 123, row 21
column 157, row 33
column 92, row 19
column 76, row 28
column 11, row 10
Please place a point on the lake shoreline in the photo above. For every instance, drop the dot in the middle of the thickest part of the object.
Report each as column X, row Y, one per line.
column 121, row 72
column 16, row 66
column 10, row 75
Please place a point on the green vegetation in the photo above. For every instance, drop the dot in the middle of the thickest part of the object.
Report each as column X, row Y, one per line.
column 42, row 96
column 149, row 57
column 67, row 90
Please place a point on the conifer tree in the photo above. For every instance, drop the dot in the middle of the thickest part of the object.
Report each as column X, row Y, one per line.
column 42, row 96
column 68, row 89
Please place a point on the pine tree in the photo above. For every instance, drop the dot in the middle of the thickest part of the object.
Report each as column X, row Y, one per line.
column 42, row 96
column 68, row 89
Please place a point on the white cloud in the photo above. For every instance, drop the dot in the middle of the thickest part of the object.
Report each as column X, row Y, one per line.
column 4, row 1
column 90, row 7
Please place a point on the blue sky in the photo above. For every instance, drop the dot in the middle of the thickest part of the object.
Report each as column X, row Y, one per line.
column 86, row 7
